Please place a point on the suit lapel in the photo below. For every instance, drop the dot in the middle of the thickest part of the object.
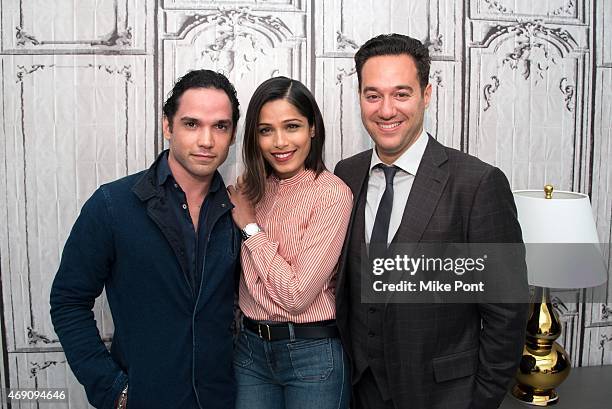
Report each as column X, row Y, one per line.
column 425, row 193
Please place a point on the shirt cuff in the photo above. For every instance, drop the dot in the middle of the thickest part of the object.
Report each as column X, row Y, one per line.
column 256, row 241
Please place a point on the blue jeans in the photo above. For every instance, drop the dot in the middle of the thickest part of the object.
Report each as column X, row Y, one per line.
column 290, row 374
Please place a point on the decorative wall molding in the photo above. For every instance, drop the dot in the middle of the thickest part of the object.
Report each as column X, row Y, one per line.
column 604, row 339
column 435, row 78
column 568, row 92
column 528, row 59
column 526, row 52
column 119, row 36
column 126, row 32
column 342, row 33
column 345, row 43
column 36, row 367
column 533, row 32
column 537, row 45
column 263, row 5
column 34, row 337
column 231, row 20
column 343, row 73
column 23, row 71
column 240, row 40
column 232, row 25
column 606, row 312
column 496, row 6
column 564, row 308
column 22, row 37
column 562, row 11
column 125, row 70
column 568, row 8
column 489, row 90
column 434, row 43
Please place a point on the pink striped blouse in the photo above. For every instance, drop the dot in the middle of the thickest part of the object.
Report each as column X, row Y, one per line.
column 289, row 269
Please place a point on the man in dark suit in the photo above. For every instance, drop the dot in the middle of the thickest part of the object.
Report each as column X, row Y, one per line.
column 412, row 189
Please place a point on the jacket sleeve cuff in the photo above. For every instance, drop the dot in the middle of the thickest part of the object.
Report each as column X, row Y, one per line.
column 120, row 382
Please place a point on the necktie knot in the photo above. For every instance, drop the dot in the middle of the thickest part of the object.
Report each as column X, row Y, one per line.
column 390, row 172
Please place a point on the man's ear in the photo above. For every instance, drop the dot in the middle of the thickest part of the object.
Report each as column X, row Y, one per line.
column 166, row 128
column 233, row 140
column 427, row 95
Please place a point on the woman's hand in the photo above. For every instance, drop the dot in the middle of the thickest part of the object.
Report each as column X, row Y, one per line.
column 243, row 211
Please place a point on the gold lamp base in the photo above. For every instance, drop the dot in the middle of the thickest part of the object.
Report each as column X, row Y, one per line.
column 544, row 364
column 531, row 398
column 538, row 375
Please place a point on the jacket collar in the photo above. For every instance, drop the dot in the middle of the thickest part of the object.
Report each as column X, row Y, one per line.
column 151, row 182
column 152, row 194
column 146, row 186
column 428, row 185
column 163, row 169
column 408, row 161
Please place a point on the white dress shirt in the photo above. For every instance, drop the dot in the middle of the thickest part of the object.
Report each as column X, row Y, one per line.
column 408, row 165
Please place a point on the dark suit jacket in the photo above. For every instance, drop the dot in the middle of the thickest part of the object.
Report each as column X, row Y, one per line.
column 455, row 356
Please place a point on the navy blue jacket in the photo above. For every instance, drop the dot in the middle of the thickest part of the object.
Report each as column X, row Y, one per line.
column 173, row 347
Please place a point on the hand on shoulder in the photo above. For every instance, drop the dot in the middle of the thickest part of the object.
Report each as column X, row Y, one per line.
column 243, row 212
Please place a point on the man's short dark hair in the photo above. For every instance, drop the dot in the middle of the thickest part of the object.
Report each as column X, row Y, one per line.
column 395, row 44
column 201, row 79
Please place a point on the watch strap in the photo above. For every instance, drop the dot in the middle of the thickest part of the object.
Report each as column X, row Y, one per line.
column 122, row 400
column 250, row 230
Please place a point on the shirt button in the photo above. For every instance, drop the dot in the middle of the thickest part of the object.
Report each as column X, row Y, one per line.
column 371, row 310
column 176, row 186
column 371, row 334
column 184, row 206
column 222, row 204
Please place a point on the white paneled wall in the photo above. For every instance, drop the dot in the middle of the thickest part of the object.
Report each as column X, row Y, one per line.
column 525, row 85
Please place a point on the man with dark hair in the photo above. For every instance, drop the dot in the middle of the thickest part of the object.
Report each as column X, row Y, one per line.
column 163, row 245
column 411, row 189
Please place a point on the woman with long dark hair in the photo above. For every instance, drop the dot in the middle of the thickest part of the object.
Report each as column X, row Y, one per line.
column 294, row 215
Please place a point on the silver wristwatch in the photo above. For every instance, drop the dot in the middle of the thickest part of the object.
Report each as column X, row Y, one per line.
column 249, row 230
column 122, row 401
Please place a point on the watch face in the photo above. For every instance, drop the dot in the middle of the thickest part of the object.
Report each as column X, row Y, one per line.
column 251, row 229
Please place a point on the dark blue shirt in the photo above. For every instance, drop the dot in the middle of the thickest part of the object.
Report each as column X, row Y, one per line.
column 193, row 240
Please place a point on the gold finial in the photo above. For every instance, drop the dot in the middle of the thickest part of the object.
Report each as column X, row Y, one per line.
column 548, row 189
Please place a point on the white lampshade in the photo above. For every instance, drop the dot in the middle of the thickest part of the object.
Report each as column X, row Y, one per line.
column 562, row 247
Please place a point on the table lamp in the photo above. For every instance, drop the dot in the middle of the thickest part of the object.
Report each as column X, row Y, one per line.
column 562, row 251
